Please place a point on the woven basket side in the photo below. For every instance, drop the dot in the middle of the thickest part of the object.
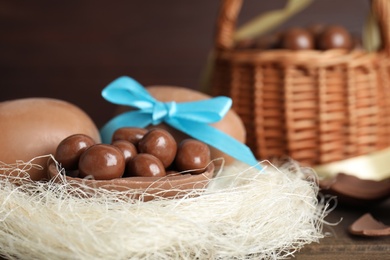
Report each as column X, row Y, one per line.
column 301, row 113
column 241, row 91
column 315, row 114
column 268, row 128
column 314, row 106
column 383, row 79
column 363, row 111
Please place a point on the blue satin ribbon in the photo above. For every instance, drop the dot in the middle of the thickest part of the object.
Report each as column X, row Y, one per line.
column 192, row 118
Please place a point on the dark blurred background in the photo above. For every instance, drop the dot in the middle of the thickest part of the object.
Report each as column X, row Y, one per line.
column 71, row 49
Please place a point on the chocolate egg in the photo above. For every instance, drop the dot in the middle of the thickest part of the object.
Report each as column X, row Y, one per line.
column 334, row 37
column 128, row 149
column 192, row 154
column 33, row 127
column 69, row 150
column 231, row 124
column 103, row 162
column 131, row 134
column 145, row 165
column 160, row 143
column 297, row 39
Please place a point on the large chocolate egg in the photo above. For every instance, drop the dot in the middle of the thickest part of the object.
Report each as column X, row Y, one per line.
column 33, row 127
column 231, row 124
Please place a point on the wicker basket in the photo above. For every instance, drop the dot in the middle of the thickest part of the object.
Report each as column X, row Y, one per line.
column 314, row 106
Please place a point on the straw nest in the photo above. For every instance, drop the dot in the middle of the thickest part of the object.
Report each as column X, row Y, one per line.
column 244, row 213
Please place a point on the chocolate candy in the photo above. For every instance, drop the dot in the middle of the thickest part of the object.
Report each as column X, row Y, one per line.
column 160, row 143
column 128, row 149
column 315, row 36
column 146, row 165
column 192, row 154
column 102, row 161
column 297, row 39
column 334, row 37
column 69, row 150
column 152, row 156
column 131, row 134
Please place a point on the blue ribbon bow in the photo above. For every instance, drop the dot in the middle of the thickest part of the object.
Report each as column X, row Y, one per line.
column 192, row 118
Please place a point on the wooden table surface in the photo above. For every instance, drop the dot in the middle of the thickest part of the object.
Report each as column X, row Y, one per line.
column 339, row 244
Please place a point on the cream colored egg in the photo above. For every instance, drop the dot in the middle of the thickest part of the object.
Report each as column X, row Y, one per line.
column 231, row 124
column 34, row 127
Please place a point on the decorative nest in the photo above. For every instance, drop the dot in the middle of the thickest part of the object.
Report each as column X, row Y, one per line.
column 242, row 213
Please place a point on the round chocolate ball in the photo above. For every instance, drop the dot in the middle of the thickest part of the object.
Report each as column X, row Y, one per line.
column 131, row 134
column 128, row 149
column 145, row 165
column 192, row 155
column 334, row 37
column 160, row 143
column 69, row 150
column 297, row 39
column 103, row 162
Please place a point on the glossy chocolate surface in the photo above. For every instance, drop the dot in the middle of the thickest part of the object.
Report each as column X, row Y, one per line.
column 161, row 144
column 128, row 149
column 192, row 154
column 69, row 150
column 145, row 165
column 103, row 162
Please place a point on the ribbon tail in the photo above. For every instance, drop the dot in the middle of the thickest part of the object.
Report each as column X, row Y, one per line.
column 216, row 139
column 127, row 119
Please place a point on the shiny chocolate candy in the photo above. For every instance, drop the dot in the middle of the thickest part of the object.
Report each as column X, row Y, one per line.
column 192, row 154
column 128, row 149
column 102, row 162
column 145, row 165
column 161, row 144
column 69, row 150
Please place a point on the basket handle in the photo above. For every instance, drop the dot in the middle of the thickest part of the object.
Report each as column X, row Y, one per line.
column 381, row 9
column 226, row 23
column 230, row 9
